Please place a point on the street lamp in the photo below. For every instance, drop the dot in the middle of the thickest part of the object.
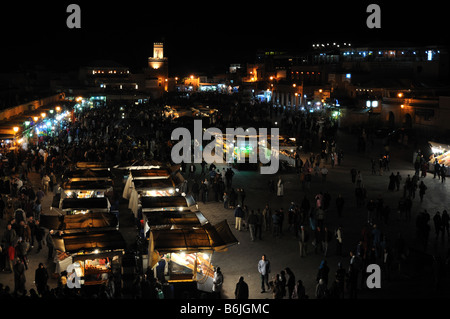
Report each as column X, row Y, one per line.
column 16, row 129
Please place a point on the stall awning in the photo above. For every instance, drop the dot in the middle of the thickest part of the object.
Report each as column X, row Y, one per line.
column 85, row 203
column 439, row 146
column 174, row 219
column 167, row 203
column 88, row 173
column 89, row 241
column 208, row 237
column 153, row 184
column 159, row 173
column 92, row 165
column 140, row 164
column 88, row 185
column 79, row 222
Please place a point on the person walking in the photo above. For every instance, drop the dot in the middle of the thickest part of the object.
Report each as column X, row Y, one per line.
column 41, row 278
column 280, row 187
column 267, row 218
column 299, row 291
column 290, row 284
column 326, row 237
column 218, row 283
column 241, row 290
column 226, row 200
column 22, row 251
column 9, row 240
column 251, row 221
column 46, row 183
column 339, row 240
column 264, row 271
column 323, row 272
column 303, row 238
column 238, row 214
column 19, row 276
column 324, row 173
column 39, row 233
column 422, row 189
column 321, row 290
column 437, row 223
column 49, row 243
column 398, row 179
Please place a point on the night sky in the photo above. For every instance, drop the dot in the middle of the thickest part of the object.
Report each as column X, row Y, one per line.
column 201, row 36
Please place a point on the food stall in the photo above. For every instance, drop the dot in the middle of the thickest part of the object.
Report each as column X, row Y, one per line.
column 172, row 219
column 87, row 189
column 80, row 222
column 144, row 174
column 90, row 242
column 149, row 188
column 94, row 254
column 73, row 206
column 168, row 203
column 441, row 152
column 188, row 252
column 87, row 175
column 288, row 150
column 92, row 165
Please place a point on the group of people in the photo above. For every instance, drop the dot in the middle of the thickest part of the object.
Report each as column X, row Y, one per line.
column 29, row 174
column 282, row 284
column 21, row 208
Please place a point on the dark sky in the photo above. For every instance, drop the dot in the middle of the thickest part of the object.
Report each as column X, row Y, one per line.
column 201, row 36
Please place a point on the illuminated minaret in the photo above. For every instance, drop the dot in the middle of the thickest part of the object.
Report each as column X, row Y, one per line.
column 157, row 73
column 158, row 60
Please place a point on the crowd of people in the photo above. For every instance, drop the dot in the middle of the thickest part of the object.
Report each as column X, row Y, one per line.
column 135, row 132
column 29, row 174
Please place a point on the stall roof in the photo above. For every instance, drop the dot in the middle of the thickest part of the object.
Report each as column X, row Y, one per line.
column 153, row 184
column 88, row 185
column 209, row 237
column 150, row 173
column 161, row 202
column 92, row 165
column 87, row 242
column 140, row 164
column 443, row 147
column 88, row 173
column 85, row 203
column 169, row 219
column 79, row 222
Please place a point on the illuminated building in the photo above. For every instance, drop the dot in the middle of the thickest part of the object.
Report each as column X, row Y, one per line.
column 157, row 73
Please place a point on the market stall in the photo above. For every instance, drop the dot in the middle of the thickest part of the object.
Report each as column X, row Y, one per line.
column 144, row 174
column 189, row 251
column 84, row 205
column 94, row 255
column 168, row 203
column 87, row 189
column 441, row 152
column 88, row 175
column 80, row 222
column 172, row 219
column 92, row 165
column 288, row 150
